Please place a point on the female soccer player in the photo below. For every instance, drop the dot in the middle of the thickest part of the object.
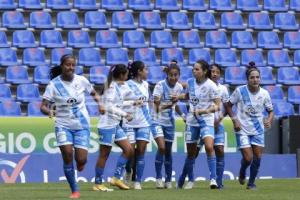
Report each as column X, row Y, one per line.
column 72, row 124
column 251, row 101
column 109, row 128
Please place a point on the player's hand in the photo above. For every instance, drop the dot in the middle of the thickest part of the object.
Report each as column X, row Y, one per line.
column 52, row 113
column 129, row 117
column 267, row 123
column 101, row 110
column 174, row 98
column 200, row 111
column 138, row 103
column 236, row 125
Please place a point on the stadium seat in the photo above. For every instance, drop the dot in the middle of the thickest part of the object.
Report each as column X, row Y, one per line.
column 85, row 5
column 79, row 70
column 5, row 92
column 134, row 39
column 155, row 74
column 198, row 54
column 226, row 58
column 51, row 39
column 285, row 22
column 166, row 5
column 17, row 75
column 40, row 20
column 30, row 4
column 67, row 20
column 204, row 21
column 57, row 53
column 34, row 57
column 23, row 39
column 279, row 58
column 232, row 21
column 41, row 75
column 189, row 39
column 297, row 57
column 107, row 39
column 58, row 4
column 169, row 54
column 95, row 20
column 10, row 108
column 221, row 5
column 116, row 56
column 260, row 21
column 248, row 5
column 294, row 94
column 123, row 20
column 98, row 74
column 216, row 39
column 266, row 76
column 275, row 6
column 13, row 20
column 28, row 92
column 3, row 40
column 183, row 107
column 150, row 20
column 33, row 109
column 242, row 40
column 292, row 40
column 89, row 57
column 79, row 39
column 194, row 5
column 146, row 55
column 288, row 76
column 140, row 5
column 235, row 75
column 295, row 5
column 268, row 40
column 7, row 5
column 249, row 55
column 178, row 21
column 8, row 57
column 161, row 39
column 275, row 92
column 185, row 74
column 283, row 109
column 113, row 5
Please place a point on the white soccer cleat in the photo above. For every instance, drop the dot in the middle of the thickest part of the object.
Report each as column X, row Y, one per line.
column 168, row 185
column 127, row 178
column 189, row 185
column 137, row 186
column 159, row 184
column 213, row 184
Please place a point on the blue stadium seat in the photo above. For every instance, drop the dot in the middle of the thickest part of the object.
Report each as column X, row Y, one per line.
column 297, row 57
column 79, row 39
column 146, row 55
column 285, row 21
column 33, row 109
column 40, row 20
column 7, row 5
column 95, row 20
column 268, row 40
column 260, row 21
column 5, row 92
column 221, row 5
column 294, row 94
column 107, row 39
column 89, row 57
column 235, row 75
column 279, row 58
column 288, row 76
column 98, row 74
column 189, row 39
column 51, row 39
column 17, row 75
column 292, row 40
column 23, row 39
column 204, row 21
column 140, row 5
column 166, row 5
column 275, row 6
column 232, row 20
column 183, row 107
column 57, row 53
column 161, row 39
column 226, row 58
column 30, row 4
column 216, row 39
column 41, row 74
column 266, row 76
column 79, row 70
column 113, row 5
column 85, row 5
column 13, row 20
column 123, row 20
column 242, row 40
column 10, row 108
column 249, row 55
column 295, row 5
column 58, row 4
column 3, row 40
column 155, row 74
column 150, row 20
column 67, row 20
column 169, row 54
column 275, row 92
column 178, row 21
column 116, row 56
column 8, row 57
column 248, row 5
column 34, row 57
column 283, row 109
column 194, row 5
column 134, row 39
column 185, row 74
column 199, row 54
column 28, row 92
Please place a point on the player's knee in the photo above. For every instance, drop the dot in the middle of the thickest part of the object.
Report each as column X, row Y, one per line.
column 162, row 150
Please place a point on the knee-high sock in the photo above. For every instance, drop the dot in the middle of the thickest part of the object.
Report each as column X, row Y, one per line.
column 168, row 161
column 70, row 175
column 128, row 166
column 211, row 161
column 120, row 166
column 220, row 170
column 188, row 167
column 244, row 165
column 159, row 159
column 254, row 170
column 140, row 165
column 99, row 175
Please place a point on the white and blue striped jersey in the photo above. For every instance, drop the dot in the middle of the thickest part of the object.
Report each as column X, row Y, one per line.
column 162, row 90
column 224, row 95
column 201, row 96
column 250, row 108
column 69, row 99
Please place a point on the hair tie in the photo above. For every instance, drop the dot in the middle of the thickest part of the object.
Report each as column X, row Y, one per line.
column 129, row 65
column 113, row 68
